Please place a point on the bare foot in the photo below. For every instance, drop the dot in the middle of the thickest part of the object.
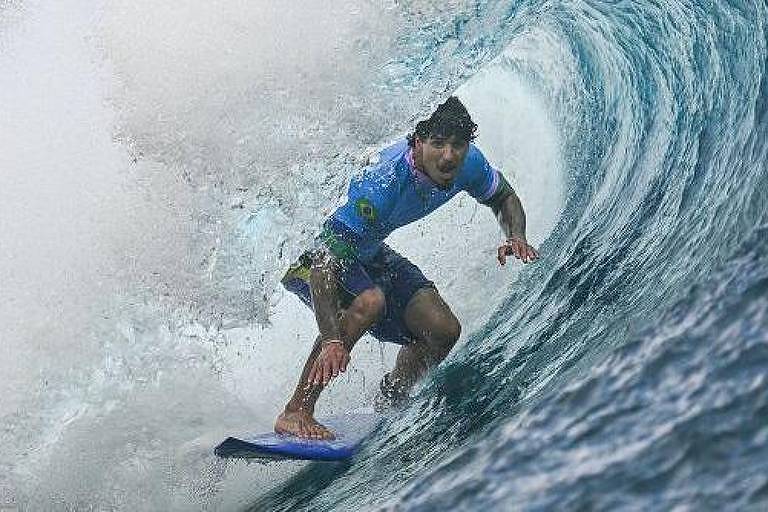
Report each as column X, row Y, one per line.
column 302, row 424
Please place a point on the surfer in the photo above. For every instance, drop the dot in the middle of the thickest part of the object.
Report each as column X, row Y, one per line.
column 355, row 283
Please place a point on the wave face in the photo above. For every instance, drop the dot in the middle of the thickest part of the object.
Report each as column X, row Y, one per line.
column 626, row 369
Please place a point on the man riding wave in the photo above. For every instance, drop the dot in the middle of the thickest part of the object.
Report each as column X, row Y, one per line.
column 355, row 283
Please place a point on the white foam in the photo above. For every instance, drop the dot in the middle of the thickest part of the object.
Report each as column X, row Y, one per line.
column 107, row 371
column 108, row 210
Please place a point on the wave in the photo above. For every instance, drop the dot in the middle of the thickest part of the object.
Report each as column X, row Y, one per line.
column 623, row 370
column 602, row 380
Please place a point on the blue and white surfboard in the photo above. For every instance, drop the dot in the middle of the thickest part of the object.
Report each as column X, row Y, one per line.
column 350, row 429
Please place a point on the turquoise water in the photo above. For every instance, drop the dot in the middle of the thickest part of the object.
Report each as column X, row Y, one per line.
column 628, row 368
column 162, row 164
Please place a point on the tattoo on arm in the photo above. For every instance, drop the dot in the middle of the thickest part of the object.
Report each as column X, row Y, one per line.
column 325, row 297
column 511, row 216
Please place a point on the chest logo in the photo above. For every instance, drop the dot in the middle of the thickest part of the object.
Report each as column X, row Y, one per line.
column 366, row 210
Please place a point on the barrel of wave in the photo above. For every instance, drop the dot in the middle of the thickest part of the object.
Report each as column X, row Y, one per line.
column 456, row 245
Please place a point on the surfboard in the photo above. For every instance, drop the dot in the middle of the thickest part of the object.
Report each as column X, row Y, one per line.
column 350, row 429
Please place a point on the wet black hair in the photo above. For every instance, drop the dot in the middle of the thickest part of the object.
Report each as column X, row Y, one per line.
column 450, row 118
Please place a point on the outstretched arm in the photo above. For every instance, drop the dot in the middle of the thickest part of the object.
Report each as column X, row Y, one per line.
column 492, row 189
column 511, row 216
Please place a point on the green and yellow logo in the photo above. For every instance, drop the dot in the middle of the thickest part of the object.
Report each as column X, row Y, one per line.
column 365, row 210
column 339, row 247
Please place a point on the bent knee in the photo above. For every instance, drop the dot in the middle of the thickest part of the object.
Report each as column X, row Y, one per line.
column 442, row 335
column 450, row 331
column 444, row 327
column 453, row 330
column 370, row 303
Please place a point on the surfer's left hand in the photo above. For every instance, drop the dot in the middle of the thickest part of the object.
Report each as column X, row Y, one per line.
column 332, row 360
column 519, row 247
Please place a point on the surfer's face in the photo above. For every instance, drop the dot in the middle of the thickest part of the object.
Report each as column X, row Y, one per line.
column 440, row 158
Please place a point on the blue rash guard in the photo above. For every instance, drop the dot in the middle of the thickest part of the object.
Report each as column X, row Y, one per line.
column 383, row 197
column 392, row 193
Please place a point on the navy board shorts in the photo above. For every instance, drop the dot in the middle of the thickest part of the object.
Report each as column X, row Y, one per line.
column 397, row 277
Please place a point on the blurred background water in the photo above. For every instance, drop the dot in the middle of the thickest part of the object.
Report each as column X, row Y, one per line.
column 160, row 165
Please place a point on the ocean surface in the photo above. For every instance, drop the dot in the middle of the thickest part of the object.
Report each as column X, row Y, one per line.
column 160, row 165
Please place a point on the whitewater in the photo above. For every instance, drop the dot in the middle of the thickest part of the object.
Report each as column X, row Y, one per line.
column 161, row 165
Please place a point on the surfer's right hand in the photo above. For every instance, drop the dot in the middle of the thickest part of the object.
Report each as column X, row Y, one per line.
column 332, row 360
